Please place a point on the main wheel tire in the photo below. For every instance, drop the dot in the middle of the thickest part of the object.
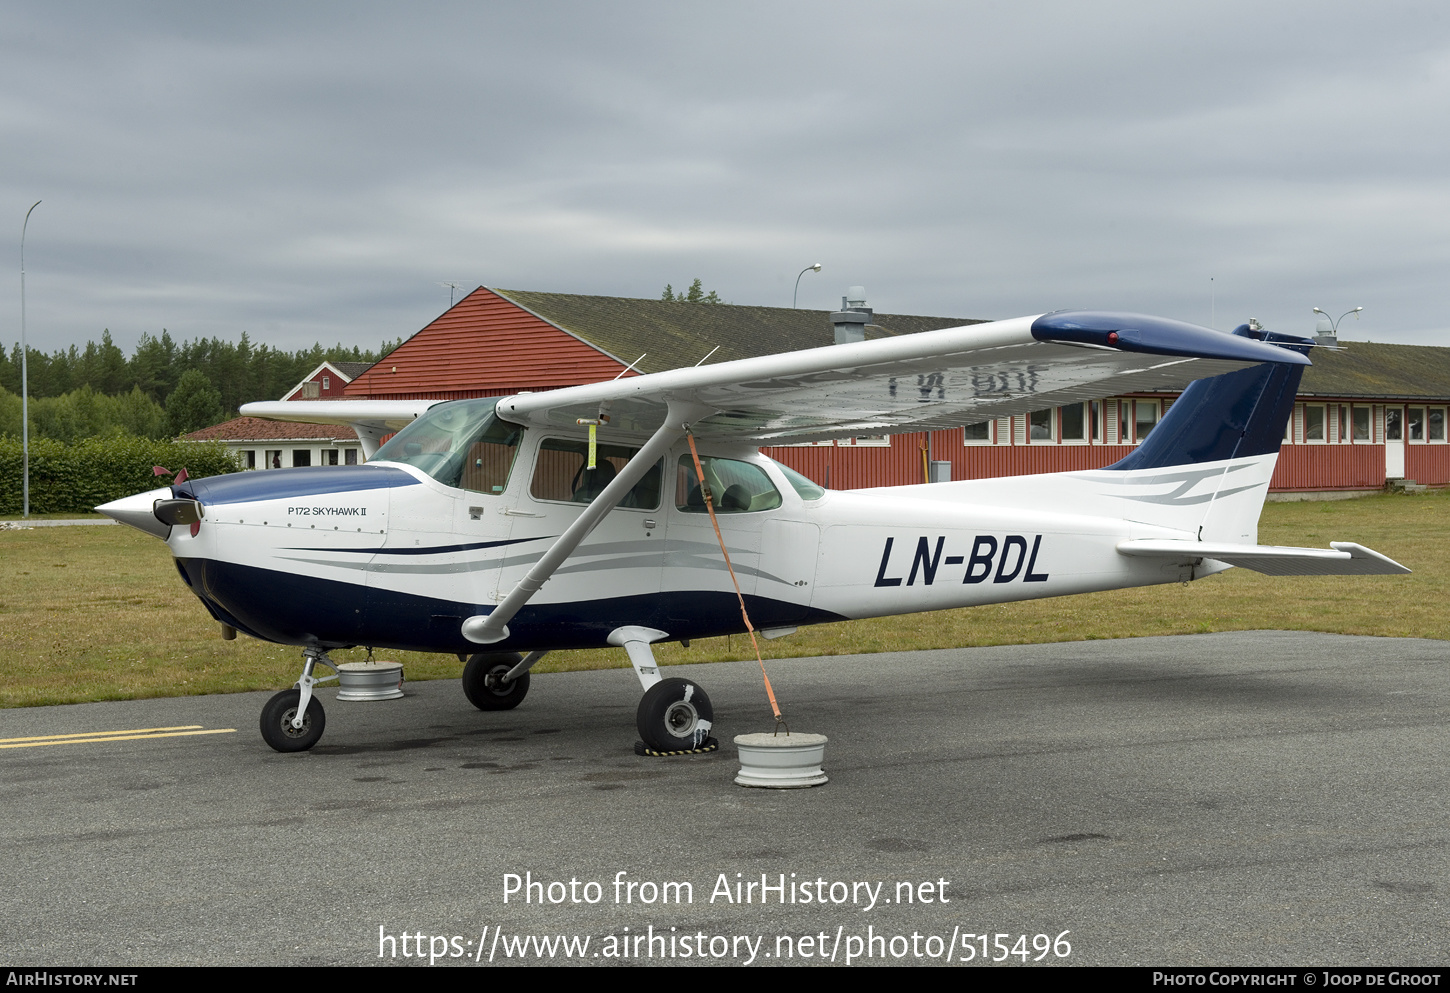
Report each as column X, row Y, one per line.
column 674, row 715
column 476, row 682
column 277, row 716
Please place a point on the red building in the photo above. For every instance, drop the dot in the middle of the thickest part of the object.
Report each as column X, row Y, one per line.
column 1367, row 412
column 327, row 381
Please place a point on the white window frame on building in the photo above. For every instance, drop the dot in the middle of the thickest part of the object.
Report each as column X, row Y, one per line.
column 988, row 432
column 1084, row 417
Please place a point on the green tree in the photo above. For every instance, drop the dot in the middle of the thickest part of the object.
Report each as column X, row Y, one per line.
column 194, row 404
column 103, row 367
column 153, row 366
column 695, row 294
column 137, row 414
column 9, row 414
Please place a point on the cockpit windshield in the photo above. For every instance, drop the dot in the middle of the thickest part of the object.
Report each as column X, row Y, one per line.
column 460, row 444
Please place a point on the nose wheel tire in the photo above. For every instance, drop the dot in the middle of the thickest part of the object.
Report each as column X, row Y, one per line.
column 277, row 717
column 674, row 715
column 483, row 681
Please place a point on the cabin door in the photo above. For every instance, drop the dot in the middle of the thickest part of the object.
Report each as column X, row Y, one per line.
column 613, row 576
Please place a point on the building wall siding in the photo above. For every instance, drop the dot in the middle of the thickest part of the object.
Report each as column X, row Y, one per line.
column 1329, row 467
column 901, row 464
column 1428, row 464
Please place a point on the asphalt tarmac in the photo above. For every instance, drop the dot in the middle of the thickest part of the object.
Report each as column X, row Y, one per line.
column 1250, row 798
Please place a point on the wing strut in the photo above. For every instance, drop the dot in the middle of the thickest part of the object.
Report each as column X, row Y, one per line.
column 487, row 629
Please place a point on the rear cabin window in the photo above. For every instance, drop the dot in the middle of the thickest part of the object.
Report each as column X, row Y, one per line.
column 562, row 473
column 735, row 487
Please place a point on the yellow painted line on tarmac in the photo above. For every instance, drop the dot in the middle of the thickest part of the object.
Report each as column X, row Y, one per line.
column 113, row 736
column 102, row 734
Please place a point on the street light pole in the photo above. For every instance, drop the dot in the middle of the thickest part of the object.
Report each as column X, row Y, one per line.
column 797, row 293
column 1334, row 324
column 24, row 380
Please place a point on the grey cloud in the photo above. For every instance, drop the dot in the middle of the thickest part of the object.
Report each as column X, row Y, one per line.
column 312, row 171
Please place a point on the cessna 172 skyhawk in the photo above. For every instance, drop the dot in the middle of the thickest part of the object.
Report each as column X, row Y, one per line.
column 480, row 526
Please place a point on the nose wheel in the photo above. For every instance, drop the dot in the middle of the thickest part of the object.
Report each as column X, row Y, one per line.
column 279, row 719
column 292, row 721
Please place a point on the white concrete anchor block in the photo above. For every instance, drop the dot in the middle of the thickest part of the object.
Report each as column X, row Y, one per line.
column 781, row 761
column 370, row 680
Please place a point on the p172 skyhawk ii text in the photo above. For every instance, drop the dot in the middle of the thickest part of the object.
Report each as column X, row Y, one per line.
column 445, row 539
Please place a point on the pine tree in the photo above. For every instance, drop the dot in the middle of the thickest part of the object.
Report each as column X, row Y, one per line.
column 695, row 294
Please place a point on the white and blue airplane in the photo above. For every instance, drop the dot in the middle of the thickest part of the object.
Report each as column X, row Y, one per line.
column 499, row 529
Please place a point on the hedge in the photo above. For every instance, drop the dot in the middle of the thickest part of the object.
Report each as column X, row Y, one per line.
column 68, row 479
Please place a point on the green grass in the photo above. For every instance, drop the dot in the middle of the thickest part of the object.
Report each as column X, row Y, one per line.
column 54, row 517
column 100, row 614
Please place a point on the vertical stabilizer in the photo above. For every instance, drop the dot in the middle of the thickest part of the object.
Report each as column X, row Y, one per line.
column 1233, row 425
column 1231, row 416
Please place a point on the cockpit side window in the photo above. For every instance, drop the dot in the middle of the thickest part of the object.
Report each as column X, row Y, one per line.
column 562, row 473
column 461, row 444
column 735, row 487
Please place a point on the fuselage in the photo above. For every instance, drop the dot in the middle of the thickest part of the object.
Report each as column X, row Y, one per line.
column 387, row 555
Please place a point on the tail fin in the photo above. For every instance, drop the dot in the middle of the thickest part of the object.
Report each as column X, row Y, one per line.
column 1235, row 415
column 1219, row 443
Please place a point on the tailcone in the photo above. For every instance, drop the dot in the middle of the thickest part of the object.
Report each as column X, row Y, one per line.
column 138, row 511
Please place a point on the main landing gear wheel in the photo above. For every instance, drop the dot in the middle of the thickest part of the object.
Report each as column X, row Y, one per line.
column 483, row 681
column 674, row 716
column 277, row 717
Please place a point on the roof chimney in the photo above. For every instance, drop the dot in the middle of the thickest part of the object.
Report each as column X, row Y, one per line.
column 851, row 320
column 1324, row 333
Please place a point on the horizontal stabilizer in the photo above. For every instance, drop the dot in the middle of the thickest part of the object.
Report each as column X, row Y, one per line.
column 1342, row 558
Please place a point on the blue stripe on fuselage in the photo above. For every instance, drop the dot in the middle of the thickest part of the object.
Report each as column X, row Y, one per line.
column 431, row 550
column 280, row 484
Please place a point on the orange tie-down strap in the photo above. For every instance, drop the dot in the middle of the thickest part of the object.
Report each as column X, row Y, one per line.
column 710, row 508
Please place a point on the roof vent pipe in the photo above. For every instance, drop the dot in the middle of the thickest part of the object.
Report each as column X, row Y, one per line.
column 850, row 321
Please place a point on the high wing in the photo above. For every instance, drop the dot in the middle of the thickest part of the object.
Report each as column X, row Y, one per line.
column 371, row 419
column 927, row 381
column 932, row 380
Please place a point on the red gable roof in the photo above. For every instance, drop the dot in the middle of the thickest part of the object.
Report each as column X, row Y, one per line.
column 482, row 346
column 243, row 429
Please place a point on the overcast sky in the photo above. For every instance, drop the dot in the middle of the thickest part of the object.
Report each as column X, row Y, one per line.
column 314, row 171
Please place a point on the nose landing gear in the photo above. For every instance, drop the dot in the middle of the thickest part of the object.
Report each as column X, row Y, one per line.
column 293, row 720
